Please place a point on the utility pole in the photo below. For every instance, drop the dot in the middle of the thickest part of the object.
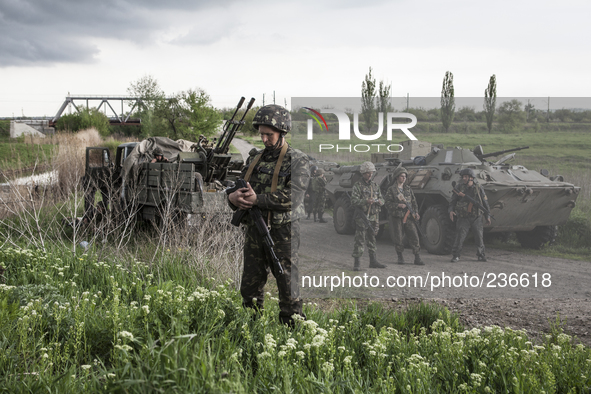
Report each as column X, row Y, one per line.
column 263, row 99
column 285, row 101
column 548, row 112
column 273, row 97
column 407, row 101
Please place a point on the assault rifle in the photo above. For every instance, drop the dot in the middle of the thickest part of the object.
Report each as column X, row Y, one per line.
column 474, row 202
column 413, row 213
column 257, row 218
column 363, row 216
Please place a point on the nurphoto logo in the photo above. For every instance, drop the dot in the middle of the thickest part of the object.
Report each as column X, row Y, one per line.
column 345, row 130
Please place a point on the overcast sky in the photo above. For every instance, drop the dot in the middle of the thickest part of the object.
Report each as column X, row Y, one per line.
column 49, row 48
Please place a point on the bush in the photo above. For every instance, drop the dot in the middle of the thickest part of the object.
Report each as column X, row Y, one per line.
column 4, row 128
column 85, row 119
column 576, row 232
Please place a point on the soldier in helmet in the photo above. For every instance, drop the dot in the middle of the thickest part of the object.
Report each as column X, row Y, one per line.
column 277, row 179
column 401, row 220
column 367, row 200
column 467, row 216
column 317, row 193
column 158, row 156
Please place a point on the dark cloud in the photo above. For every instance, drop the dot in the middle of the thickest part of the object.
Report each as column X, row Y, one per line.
column 39, row 32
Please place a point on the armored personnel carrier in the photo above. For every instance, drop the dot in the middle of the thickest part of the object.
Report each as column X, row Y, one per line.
column 526, row 202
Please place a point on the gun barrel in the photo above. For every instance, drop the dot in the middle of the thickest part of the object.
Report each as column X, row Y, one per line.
column 500, row 152
column 230, row 122
column 235, row 127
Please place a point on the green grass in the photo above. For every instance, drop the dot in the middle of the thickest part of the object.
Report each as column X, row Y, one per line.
column 72, row 323
column 555, row 150
column 17, row 155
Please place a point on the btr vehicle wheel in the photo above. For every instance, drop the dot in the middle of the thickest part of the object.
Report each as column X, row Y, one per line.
column 343, row 216
column 439, row 230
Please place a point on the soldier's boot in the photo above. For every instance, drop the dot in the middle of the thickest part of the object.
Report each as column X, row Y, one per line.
column 482, row 257
column 308, row 217
column 373, row 261
column 314, row 218
column 455, row 259
column 320, row 219
column 400, row 258
column 356, row 264
column 418, row 260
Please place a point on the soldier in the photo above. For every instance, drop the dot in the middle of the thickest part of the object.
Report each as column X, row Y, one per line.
column 367, row 200
column 318, row 194
column 277, row 176
column 308, row 199
column 468, row 216
column 158, row 156
column 401, row 220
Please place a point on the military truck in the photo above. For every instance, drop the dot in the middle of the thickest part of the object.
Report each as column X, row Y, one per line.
column 529, row 203
column 190, row 181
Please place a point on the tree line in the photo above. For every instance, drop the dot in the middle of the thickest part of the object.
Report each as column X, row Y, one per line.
column 509, row 116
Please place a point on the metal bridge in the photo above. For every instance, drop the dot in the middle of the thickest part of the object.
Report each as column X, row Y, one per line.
column 115, row 119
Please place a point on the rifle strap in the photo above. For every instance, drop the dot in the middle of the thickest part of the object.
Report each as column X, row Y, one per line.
column 406, row 216
column 275, row 179
column 276, row 176
column 278, row 167
column 253, row 164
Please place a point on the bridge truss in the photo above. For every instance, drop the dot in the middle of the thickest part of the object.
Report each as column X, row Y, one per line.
column 122, row 118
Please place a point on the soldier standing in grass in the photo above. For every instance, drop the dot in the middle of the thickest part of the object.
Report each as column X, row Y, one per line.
column 367, row 200
column 318, row 194
column 468, row 216
column 401, row 220
column 277, row 179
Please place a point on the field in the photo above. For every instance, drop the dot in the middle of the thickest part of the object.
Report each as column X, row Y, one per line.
column 74, row 322
column 154, row 311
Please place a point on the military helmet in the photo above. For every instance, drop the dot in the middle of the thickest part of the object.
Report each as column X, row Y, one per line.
column 468, row 171
column 399, row 172
column 275, row 116
column 319, row 171
column 312, row 169
column 158, row 151
column 367, row 167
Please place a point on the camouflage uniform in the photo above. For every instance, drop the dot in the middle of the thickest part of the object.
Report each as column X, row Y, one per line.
column 361, row 192
column 318, row 195
column 282, row 210
column 397, row 216
column 466, row 220
column 308, row 200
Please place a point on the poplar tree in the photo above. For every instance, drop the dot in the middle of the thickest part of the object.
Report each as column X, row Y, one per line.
column 448, row 105
column 490, row 101
column 368, row 96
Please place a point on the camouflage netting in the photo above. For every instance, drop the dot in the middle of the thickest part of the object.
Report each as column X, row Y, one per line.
column 143, row 152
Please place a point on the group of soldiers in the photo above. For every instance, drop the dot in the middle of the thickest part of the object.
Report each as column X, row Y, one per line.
column 367, row 200
column 279, row 178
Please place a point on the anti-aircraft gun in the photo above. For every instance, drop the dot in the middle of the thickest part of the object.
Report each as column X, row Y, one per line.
column 190, row 180
column 529, row 203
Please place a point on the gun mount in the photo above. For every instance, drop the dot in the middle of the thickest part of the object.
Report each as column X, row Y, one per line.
column 191, row 180
column 479, row 152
